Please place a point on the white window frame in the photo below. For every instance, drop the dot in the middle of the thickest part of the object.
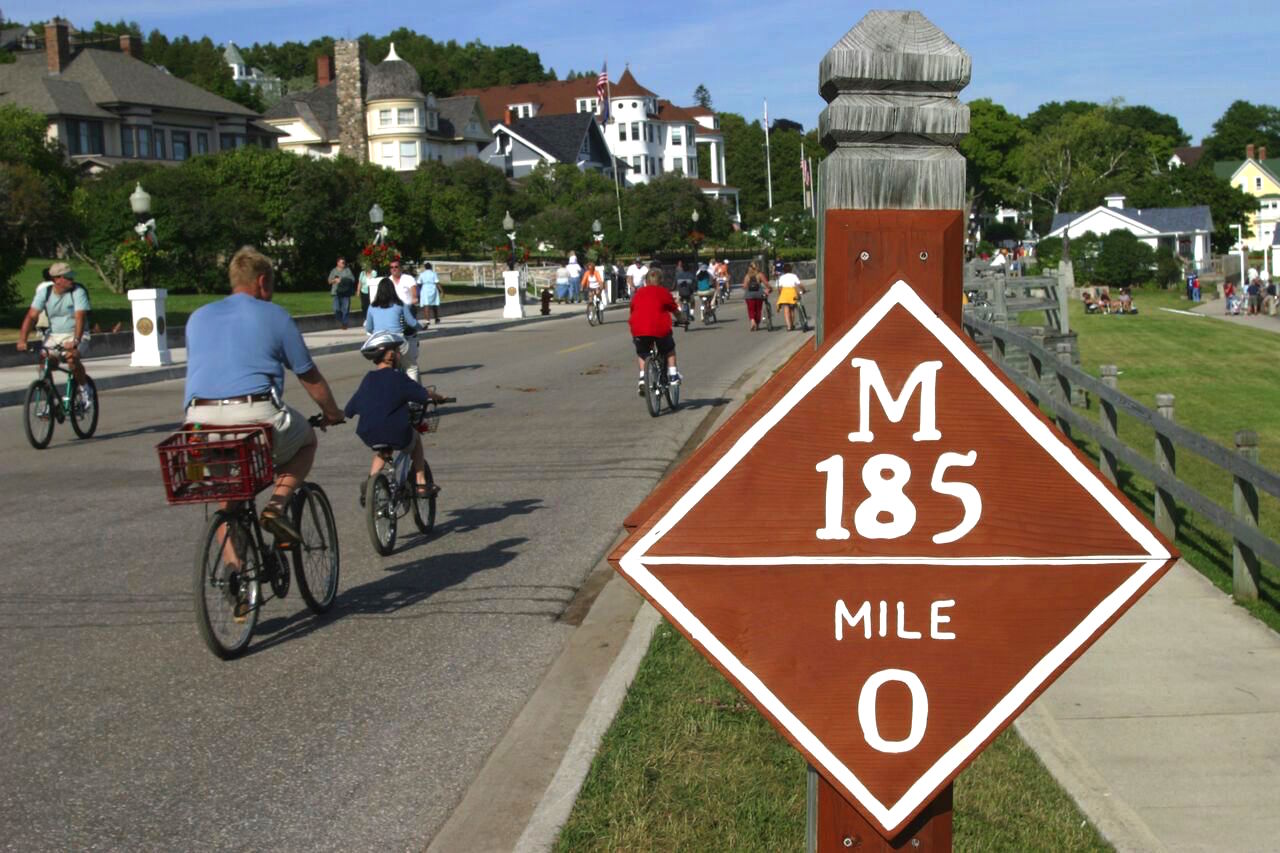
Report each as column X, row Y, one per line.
column 433, row 120
column 388, row 154
column 413, row 159
column 384, row 118
column 635, row 164
column 622, row 131
column 677, row 136
column 400, row 116
column 635, row 130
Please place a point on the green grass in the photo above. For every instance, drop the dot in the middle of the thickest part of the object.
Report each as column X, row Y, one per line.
column 1223, row 377
column 689, row 765
column 112, row 308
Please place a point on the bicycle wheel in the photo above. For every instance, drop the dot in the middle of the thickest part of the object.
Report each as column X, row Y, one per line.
column 316, row 560
column 652, row 386
column 222, row 587
column 424, row 508
column 591, row 314
column 768, row 316
column 672, row 393
column 37, row 413
column 380, row 515
column 803, row 316
column 84, row 412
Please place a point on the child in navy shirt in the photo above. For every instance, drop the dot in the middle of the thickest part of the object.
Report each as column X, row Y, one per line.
column 382, row 402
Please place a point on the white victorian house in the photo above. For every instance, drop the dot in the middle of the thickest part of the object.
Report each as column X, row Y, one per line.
column 380, row 115
column 1182, row 231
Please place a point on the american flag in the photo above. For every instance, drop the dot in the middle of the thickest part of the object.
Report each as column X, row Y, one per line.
column 602, row 86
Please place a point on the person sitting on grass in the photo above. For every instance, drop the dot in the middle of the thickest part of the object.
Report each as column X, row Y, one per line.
column 382, row 402
column 1091, row 305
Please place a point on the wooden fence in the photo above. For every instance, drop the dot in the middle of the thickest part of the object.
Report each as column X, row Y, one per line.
column 1052, row 382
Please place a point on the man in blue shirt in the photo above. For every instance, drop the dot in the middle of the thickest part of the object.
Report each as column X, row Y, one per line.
column 237, row 352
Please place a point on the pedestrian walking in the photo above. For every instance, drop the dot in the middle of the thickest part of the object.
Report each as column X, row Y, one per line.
column 367, row 277
column 562, row 283
column 575, row 276
column 342, row 284
column 429, row 292
column 755, row 289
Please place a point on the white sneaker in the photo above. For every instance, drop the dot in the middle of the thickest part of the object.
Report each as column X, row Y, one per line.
column 640, row 388
column 674, row 380
column 86, row 399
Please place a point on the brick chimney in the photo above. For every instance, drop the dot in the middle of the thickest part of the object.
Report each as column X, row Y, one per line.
column 353, row 139
column 1248, row 151
column 57, row 45
column 506, row 118
column 324, row 70
column 1262, row 153
column 131, row 45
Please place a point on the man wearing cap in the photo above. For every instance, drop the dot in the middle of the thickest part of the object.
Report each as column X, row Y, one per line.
column 237, row 352
column 66, row 302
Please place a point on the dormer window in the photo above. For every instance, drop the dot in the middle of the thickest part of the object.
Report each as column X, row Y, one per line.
column 587, row 105
column 433, row 120
column 521, row 110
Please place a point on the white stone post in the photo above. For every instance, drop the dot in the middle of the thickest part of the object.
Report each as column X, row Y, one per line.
column 513, row 308
column 150, row 341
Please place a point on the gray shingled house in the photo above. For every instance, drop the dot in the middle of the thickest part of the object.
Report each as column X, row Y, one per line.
column 573, row 138
column 106, row 106
column 1182, row 231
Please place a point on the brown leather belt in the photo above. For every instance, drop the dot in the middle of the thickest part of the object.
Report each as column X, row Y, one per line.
column 247, row 398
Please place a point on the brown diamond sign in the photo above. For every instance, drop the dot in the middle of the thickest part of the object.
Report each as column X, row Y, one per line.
column 894, row 557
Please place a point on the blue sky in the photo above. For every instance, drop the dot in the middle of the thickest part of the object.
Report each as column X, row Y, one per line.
column 1190, row 59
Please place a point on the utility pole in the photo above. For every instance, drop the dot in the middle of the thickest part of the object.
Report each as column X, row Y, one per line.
column 768, row 169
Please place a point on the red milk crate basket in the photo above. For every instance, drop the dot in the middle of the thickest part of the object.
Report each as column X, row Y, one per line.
column 223, row 463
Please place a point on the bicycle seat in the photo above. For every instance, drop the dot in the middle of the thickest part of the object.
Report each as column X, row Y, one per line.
column 381, row 448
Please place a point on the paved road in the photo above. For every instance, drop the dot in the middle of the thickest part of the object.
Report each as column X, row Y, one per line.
column 361, row 730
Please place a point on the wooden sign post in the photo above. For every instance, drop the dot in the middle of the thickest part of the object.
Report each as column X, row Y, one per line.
column 887, row 549
column 891, row 197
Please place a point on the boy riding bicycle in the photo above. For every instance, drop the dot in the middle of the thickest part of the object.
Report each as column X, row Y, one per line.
column 383, row 403
column 66, row 303
column 651, row 311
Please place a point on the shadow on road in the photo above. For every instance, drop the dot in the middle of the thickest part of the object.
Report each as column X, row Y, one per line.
column 453, row 368
column 703, row 402
column 470, row 518
column 451, row 409
column 143, row 430
column 409, row 584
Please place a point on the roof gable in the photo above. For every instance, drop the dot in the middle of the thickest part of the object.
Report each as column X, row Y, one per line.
column 559, row 136
column 1140, row 221
column 116, row 78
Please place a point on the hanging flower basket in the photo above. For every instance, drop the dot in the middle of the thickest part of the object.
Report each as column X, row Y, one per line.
column 378, row 256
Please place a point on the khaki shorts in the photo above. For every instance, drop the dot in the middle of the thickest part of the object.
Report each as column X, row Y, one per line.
column 290, row 430
column 52, row 340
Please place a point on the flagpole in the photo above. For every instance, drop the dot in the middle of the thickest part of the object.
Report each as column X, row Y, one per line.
column 804, row 177
column 768, row 168
column 617, row 192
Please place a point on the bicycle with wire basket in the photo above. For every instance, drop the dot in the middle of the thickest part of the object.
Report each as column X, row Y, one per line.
column 388, row 498
column 44, row 405
column 234, row 564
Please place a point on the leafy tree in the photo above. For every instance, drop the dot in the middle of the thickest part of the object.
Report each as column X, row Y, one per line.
column 1053, row 112
column 1144, row 118
column 1243, row 124
column 35, row 188
column 1123, row 260
column 702, row 97
column 658, row 215
column 994, row 134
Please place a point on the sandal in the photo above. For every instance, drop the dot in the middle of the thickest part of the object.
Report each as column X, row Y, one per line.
column 425, row 490
column 280, row 527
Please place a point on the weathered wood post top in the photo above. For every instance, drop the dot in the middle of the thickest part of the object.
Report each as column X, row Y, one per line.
column 891, row 125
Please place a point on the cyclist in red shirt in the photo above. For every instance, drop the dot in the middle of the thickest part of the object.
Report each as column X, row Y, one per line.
column 651, row 310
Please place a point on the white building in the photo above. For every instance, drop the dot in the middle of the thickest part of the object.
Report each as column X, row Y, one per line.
column 270, row 87
column 651, row 135
column 397, row 125
column 1182, row 231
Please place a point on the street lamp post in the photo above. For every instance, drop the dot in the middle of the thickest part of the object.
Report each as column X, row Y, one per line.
column 694, row 238
column 1239, row 229
column 509, row 226
column 140, row 203
column 379, row 230
column 597, row 236
column 513, row 307
column 150, row 341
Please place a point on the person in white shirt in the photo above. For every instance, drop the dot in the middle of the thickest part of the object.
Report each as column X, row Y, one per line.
column 635, row 276
column 575, row 276
column 407, row 291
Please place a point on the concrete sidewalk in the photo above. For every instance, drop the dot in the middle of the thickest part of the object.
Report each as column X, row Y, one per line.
column 1167, row 731
column 115, row 372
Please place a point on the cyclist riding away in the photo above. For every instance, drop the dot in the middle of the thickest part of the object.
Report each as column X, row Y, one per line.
column 237, row 352
column 706, row 293
column 66, row 302
column 684, row 287
column 382, row 401
column 721, row 272
column 651, row 310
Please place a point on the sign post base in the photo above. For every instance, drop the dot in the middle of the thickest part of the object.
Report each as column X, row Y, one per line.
column 513, row 308
column 150, row 342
